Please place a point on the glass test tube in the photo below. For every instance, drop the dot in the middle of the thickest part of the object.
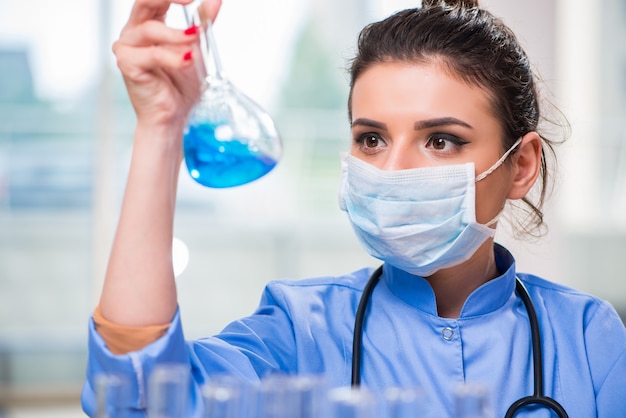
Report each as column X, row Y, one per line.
column 225, row 396
column 290, row 396
column 168, row 389
column 306, row 396
column 112, row 396
column 405, row 402
column 350, row 402
column 472, row 401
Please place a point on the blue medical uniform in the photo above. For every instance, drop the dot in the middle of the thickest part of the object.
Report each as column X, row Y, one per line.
column 306, row 326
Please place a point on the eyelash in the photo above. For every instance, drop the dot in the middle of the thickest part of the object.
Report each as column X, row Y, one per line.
column 360, row 139
column 455, row 140
column 452, row 139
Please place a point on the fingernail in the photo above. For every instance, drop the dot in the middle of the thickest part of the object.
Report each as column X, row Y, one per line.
column 192, row 30
column 187, row 56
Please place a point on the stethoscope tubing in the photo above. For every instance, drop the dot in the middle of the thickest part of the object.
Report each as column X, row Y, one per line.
column 357, row 335
column 537, row 398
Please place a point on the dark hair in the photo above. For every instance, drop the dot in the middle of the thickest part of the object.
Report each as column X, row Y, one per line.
column 479, row 49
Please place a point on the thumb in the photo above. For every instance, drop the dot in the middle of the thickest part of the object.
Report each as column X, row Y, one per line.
column 209, row 9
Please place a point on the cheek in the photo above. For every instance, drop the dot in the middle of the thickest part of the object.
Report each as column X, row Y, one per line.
column 491, row 195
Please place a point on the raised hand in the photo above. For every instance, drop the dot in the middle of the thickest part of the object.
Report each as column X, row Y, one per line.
column 156, row 62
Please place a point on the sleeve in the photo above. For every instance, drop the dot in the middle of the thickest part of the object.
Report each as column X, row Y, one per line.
column 121, row 339
column 135, row 366
column 605, row 337
column 248, row 348
column 267, row 338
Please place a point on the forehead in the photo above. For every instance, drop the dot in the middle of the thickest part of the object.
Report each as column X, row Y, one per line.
column 421, row 90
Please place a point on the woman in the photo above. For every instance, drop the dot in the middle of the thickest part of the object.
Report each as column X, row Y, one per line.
column 444, row 116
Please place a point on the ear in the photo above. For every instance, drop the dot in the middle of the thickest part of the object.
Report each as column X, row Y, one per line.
column 526, row 165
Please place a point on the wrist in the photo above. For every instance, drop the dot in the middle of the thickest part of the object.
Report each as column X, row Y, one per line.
column 165, row 139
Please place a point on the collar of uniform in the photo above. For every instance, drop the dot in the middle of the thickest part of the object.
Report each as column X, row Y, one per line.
column 416, row 291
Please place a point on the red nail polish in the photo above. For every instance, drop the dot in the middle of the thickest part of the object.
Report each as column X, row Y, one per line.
column 187, row 56
column 192, row 30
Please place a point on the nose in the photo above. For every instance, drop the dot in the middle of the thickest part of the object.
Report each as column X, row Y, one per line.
column 401, row 156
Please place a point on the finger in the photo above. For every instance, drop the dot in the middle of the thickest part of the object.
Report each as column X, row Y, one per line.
column 151, row 9
column 137, row 63
column 154, row 32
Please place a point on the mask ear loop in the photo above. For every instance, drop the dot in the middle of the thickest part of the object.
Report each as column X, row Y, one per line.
column 491, row 170
column 495, row 219
column 499, row 162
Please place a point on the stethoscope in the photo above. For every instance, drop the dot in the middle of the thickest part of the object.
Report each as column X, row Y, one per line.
column 537, row 398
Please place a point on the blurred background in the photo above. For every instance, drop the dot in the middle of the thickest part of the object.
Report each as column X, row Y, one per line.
column 65, row 137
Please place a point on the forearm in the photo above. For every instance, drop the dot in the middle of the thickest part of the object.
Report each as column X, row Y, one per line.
column 139, row 287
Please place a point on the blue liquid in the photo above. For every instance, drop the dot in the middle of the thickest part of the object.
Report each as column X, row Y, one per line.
column 219, row 164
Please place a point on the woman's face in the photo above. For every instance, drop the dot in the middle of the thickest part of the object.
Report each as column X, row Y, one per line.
column 417, row 115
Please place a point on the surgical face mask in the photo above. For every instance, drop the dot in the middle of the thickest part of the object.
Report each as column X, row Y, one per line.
column 419, row 220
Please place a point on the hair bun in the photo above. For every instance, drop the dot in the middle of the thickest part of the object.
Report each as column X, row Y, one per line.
column 466, row 4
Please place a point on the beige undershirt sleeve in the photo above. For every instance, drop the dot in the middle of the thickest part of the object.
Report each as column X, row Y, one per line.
column 122, row 339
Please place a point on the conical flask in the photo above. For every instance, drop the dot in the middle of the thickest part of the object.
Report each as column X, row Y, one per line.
column 229, row 139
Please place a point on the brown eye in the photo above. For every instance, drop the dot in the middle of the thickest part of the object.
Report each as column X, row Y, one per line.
column 439, row 143
column 371, row 141
column 445, row 143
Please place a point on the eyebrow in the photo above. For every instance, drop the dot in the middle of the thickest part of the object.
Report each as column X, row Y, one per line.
column 434, row 123
column 368, row 122
column 419, row 125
